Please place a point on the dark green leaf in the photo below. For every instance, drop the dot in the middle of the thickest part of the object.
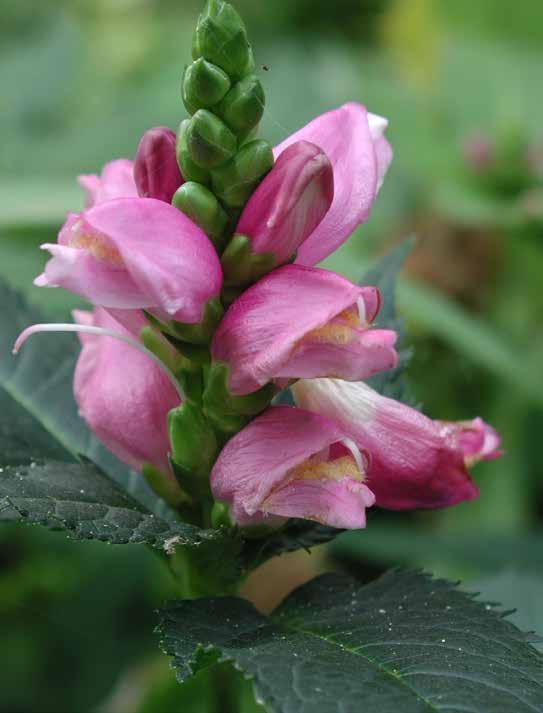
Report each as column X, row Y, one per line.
column 78, row 498
column 295, row 535
column 384, row 275
column 403, row 643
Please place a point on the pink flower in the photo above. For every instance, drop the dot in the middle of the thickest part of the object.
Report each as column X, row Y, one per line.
column 354, row 142
column 156, row 171
column 136, row 253
column 123, row 395
column 292, row 463
column 116, row 181
column 302, row 322
column 414, row 462
column 290, row 202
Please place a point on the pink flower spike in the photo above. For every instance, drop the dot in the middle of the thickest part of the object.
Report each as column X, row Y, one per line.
column 354, row 142
column 136, row 253
column 301, row 322
column 312, row 475
column 116, row 181
column 289, row 203
column 414, row 462
column 156, row 171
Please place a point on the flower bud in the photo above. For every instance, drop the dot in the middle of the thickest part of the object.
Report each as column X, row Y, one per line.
column 221, row 38
column 193, row 442
column 235, row 181
column 190, row 170
column 204, row 85
column 155, row 169
column 243, row 106
column 228, row 412
column 201, row 206
column 210, row 142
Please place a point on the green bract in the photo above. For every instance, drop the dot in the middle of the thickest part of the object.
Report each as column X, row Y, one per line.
column 204, row 84
column 235, row 181
column 201, row 206
column 221, row 38
column 209, row 141
column 189, row 169
column 243, row 106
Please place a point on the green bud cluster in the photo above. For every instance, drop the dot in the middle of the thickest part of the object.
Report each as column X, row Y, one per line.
column 217, row 153
column 222, row 163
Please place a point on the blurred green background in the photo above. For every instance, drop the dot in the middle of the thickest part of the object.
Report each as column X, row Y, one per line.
column 461, row 84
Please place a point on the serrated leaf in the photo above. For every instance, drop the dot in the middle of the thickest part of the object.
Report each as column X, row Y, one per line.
column 384, row 276
column 403, row 643
column 295, row 535
column 79, row 498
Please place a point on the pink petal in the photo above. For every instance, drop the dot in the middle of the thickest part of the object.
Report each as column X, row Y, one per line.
column 346, row 137
column 156, row 171
column 137, row 252
column 258, row 457
column 116, row 181
column 370, row 352
column 414, row 463
column 290, row 202
column 123, row 395
column 339, row 504
column 265, row 334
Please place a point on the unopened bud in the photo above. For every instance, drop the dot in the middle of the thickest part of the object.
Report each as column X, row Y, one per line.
column 204, row 85
column 242, row 267
column 190, row 170
column 202, row 332
column 201, row 206
column 243, row 106
column 210, row 142
column 192, row 439
column 227, row 412
column 156, row 172
column 235, row 181
column 221, row 38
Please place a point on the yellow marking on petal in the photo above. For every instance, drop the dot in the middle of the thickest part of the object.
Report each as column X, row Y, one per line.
column 330, row 334
column 95, row 244
column 338, row 330
column 329, row 470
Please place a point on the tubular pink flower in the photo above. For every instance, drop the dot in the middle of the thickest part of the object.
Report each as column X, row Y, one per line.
column 123, row 391
column 354, row 142
column 414, row 462
column 136, row 253
column 156, row 172
column 289, row 203
column 115, row 181
column 301, row 322
column 292, row 463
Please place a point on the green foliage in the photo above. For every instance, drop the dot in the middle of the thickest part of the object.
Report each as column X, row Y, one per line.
column 78, row 498
column 404, row 642
column 384, row 275
column 392, row 543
